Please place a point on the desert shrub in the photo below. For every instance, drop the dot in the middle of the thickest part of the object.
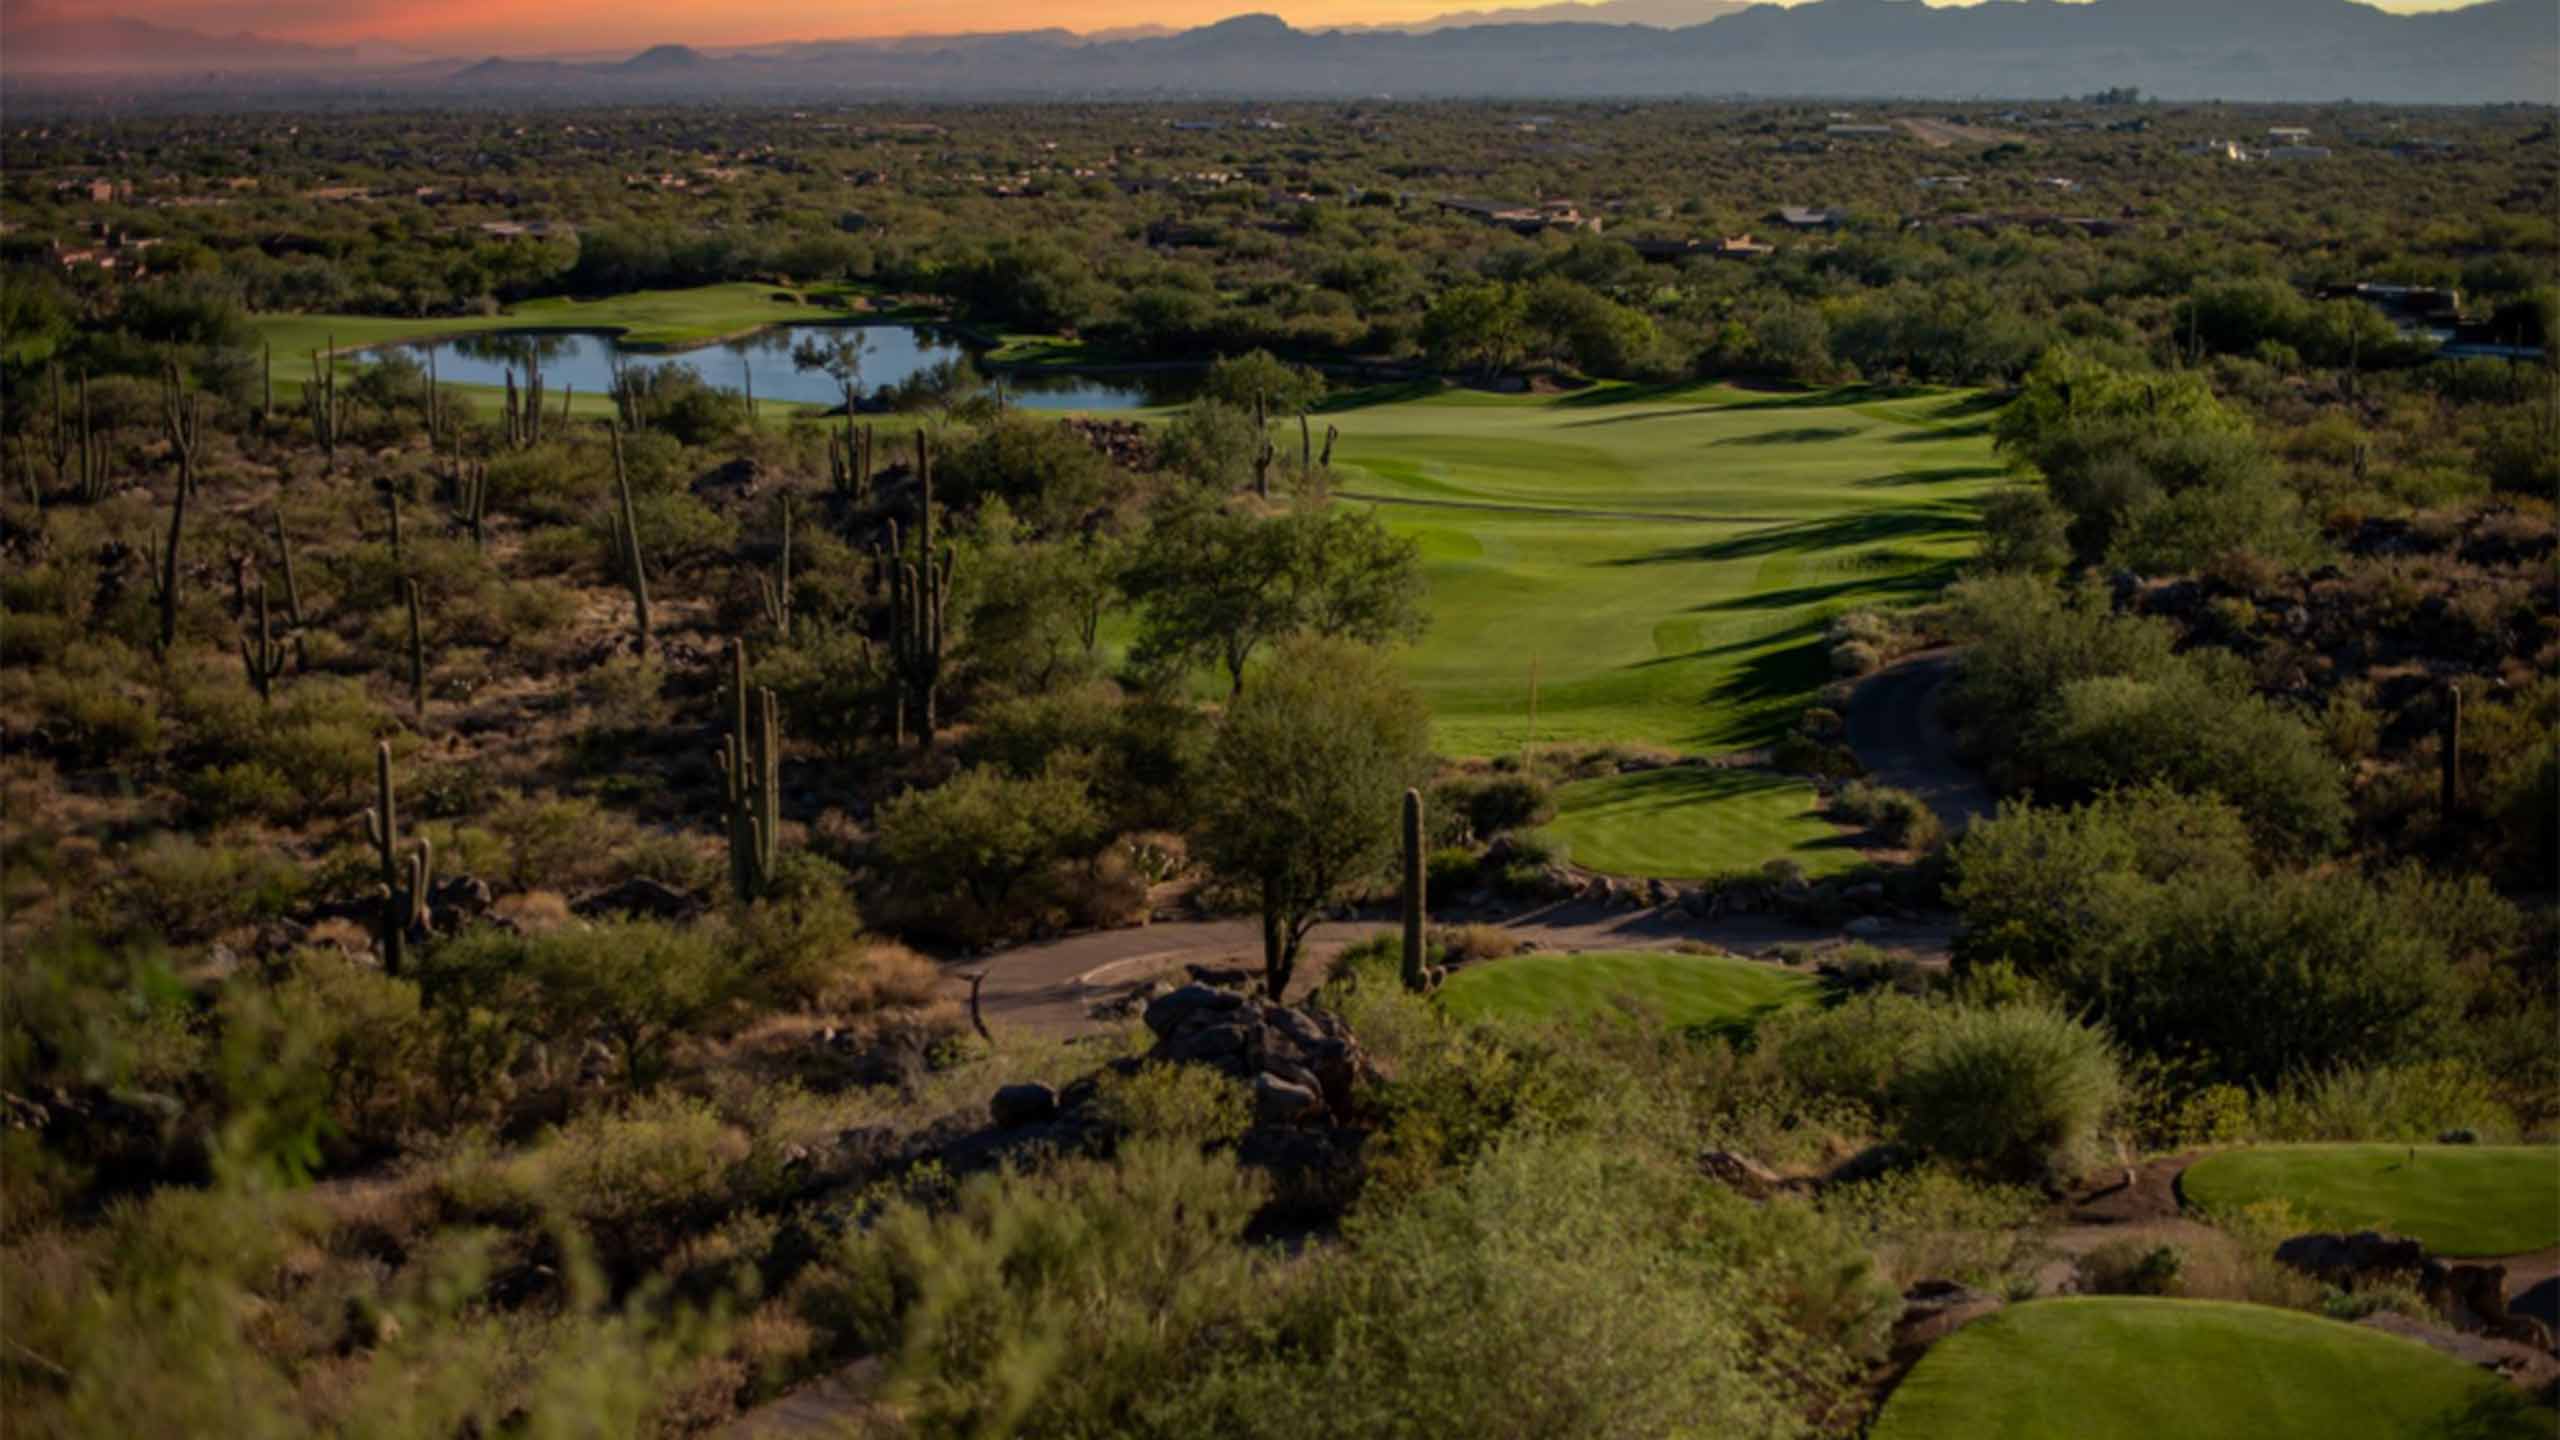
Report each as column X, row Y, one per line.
column 2018, row 1093
column 1450, row 870
column 1467, row 944
column 92, row 719
column 244, row 790
column 2131, row 1267
column 637, row 984
column 2416, row 1101
column 800, row 942
column 554, row 841
column 1539, row 848
column 829, row 685
column 1800, row 754
column 1494, row 804
column 1899, row 817
column 633, row 1180
column 183, row 889
column 987, row 834
column 370, row 1042
column 1930, row 1223
column 1074, row 1299
column 1856, row 1051
column 1188, row 1104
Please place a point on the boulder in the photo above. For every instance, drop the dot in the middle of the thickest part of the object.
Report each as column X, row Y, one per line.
column 1015, row 1106
column 2526, row 1366
column 2347, row 1261
column 640, row 898
column 1283, row 1102
column 1172, row 1011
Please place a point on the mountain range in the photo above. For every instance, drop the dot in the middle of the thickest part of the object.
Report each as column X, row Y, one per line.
column 2499, row 51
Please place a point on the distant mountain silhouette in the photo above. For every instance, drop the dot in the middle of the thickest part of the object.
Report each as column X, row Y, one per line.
column 2503, row 50
column 116, row 45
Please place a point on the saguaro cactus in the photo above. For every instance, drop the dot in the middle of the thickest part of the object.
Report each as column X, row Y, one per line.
column 168, row 593
column 751, row 768
column 404, row 886
column 1415, row 977
column 849, row 459
column 1262, row 456
column 776, row 592
column 626, row 544
column 391, row 501
column 919, row 601
column 183, row 415
column 468, row 487
column 417, row 652
column 261, row 654
column 292, row 590
column 1330, row 435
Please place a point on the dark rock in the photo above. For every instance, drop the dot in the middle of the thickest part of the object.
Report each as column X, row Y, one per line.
column 1281, row 1102
column 2526, row 1366
column 640, row 898
column 2348, row 1260
column 1224, row 977
column 1207, row 1043
column 1167, row 1013
column 463, row 895
column 1015, row 1106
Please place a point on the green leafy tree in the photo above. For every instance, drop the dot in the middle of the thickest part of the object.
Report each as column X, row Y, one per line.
column 988, row 831
column 1216, row 584
column 1304, row 786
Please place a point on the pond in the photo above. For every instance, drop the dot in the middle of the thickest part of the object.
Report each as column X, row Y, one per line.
column 585, row 360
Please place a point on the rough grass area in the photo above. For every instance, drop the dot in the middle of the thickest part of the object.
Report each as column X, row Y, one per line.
column 2140, row 1369
column 1688, row 821
column 1719, row 530
column 2458, row 1199
column 648, row 318
column 1683, row 991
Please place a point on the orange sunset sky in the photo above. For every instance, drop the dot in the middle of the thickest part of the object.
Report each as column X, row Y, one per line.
column 523, row 26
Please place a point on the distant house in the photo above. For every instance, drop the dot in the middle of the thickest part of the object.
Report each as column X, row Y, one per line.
column 1946, row 182
column 1524, row 219
column 1743, row 247
column 1799, row 217
column 2298, row 152
column 2059, row 182
column 1860, row 132
column 2289, row 134
column 528, row 229
column 2219, row 150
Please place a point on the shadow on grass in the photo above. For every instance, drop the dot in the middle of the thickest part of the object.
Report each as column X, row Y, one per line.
column 1936, row 433
column 1389, row 392
column 1805, row 435
column 1927, row 580
column 1944, row 474
column 1831, row 399
column 1832, row 533
column 1794, row 672
column 1600, row 396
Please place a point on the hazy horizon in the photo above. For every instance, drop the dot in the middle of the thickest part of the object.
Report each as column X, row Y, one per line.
column 502, row 26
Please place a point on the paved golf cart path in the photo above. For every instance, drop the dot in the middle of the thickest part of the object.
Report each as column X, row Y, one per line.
column 1894, row 726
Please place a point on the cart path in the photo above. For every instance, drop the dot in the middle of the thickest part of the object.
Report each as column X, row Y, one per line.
column 1899, row 736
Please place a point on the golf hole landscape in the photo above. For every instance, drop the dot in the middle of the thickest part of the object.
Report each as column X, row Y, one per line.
column 1127, row 733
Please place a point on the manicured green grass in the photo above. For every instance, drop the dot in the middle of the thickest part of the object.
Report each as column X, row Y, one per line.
column 1687, row 822
column 2141, row 1369
column 1690, row 612
column 647, row 318
column 2458, row 1199
column 1684, row 991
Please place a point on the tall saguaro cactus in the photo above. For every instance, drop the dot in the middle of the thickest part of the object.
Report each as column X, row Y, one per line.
column 404, row 885
column 849, row 459
column 2451, row 800
column 417, row 652
column 292, row 589
column 261, row 653
column 183, row 416
column 1415, row 977
column 626, row 544
column 320, row 397
column 168, row 592
column 919, row 602
column 751, row 769
column 468, row 486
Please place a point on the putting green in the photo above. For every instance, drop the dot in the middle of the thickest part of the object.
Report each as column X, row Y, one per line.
column 1687, row 822
column 2457, row 1199
column 2122, row 1368
column 1684, row 991
column 1664, row 559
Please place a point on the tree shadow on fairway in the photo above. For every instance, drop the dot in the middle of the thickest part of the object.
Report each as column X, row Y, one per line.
column 1926, row 580
column 1391, row 392
column 1838, row 532
column 1936, row 433
column 1944, row 474
column 1605, row 395
column 1789, row 673
column 1830, row 399
column 1802, row 435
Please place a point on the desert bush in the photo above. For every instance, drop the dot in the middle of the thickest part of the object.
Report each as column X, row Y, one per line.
column 183, row 889
column 1450, row 870
column 1185, row 1104
column 1467, row 944
column 2131, row 1267
column 2416, row 1101
column 1856, row 1051
column 987, row 835
column 633, row 1180
column 246, row 790
column 2019, row 1093
column 1930, row 1223
column 638, row 984
column 1899, row 817
column 1492, row 805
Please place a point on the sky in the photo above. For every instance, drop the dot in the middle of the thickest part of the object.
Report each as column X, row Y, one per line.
column 520, row 27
